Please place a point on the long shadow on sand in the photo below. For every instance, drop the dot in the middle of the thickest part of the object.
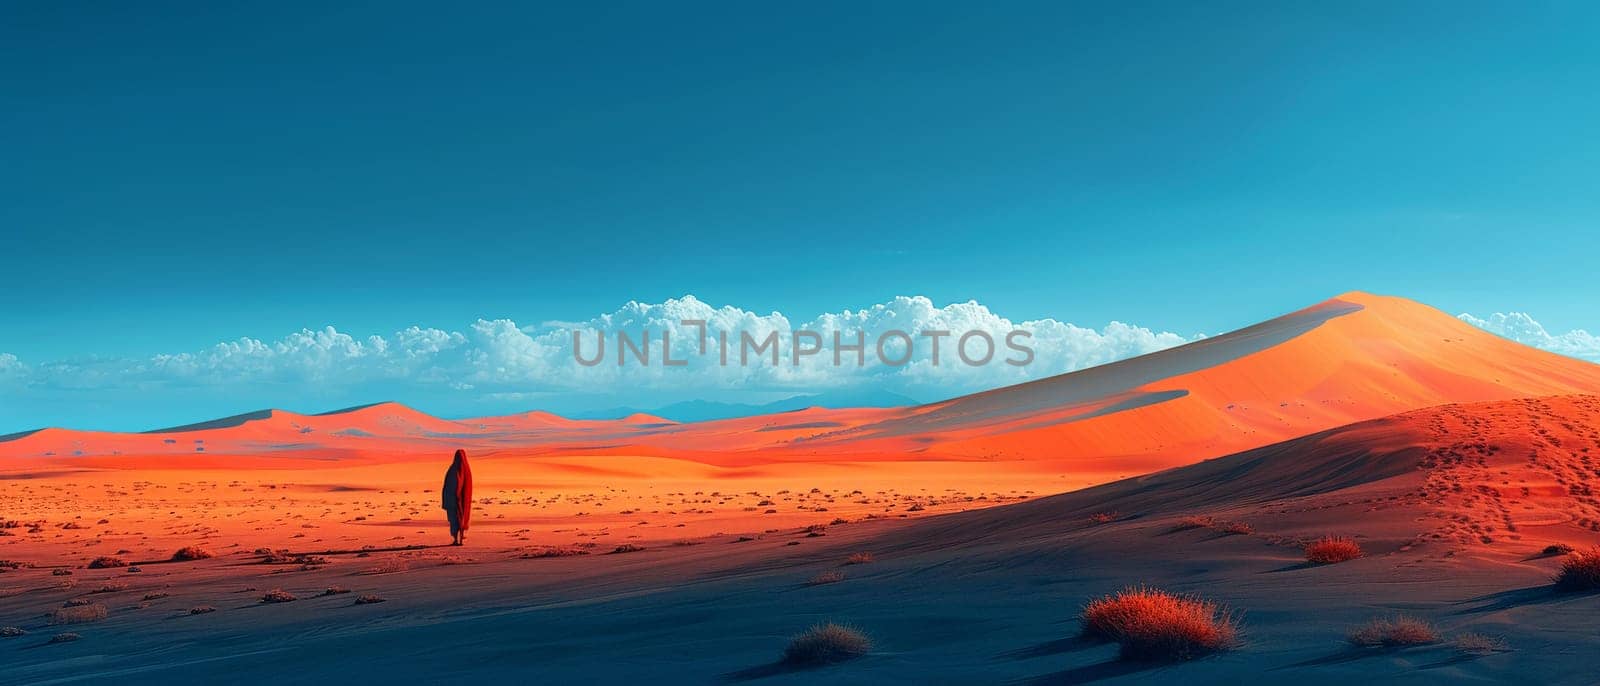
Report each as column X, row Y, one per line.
column 1353, row 653
column 1519, row 597
column 768, row 670
column 1088, row 673
column 1056, row 647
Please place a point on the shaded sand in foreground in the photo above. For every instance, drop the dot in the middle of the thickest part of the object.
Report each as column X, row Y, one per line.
column 1453, row 506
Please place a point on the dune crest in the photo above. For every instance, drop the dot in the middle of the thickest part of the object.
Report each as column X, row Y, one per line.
column 1348, row 359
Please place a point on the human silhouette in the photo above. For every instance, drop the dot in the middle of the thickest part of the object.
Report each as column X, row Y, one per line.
column 457, row 497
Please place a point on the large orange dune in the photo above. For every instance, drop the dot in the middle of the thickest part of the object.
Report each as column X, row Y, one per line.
column 1355, row 357
column 613, row 551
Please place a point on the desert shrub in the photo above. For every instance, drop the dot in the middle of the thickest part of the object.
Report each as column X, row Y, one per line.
column 188, row 553
column 79, row 614
column 1394, row 632
column 275, row 557
column 111, row 587
column 553, row 551
column 1152, row 624
column 1479, row 644
column 1103, row 517
column 278, row 595
column 156, row 595
column 1557, row 549
column 106, row 562
column 389, row 566
column 826, row 644
column 334, row 590
column 1236, row 529
column 66, row 637
column 12, row 632
column 1331, row 549
column 369, row 599
column 626, row 548
column 825, row 578
column 201, row 609
column 60, row 572
column 1194, row 522
column 1580, row 571
column 860, row 559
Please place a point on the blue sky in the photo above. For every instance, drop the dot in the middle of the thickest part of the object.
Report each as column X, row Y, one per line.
column 178, row 178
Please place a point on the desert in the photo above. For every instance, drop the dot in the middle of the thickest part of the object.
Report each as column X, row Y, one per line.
column 1363, row 488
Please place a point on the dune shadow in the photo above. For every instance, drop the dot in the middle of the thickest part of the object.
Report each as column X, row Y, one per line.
column 1088, row 673
column 1450, row 661
column 1348, row 654
column 390, row 549
column 1519, row 597
column 766, row 670
column 1056, row 647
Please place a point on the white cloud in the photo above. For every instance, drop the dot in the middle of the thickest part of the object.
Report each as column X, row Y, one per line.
column 11, row 368
column 498, row 358
column 1522, row 328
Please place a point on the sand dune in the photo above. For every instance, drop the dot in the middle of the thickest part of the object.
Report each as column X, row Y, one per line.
column 625, row 550
column 1352, row 358
column 1453, row 506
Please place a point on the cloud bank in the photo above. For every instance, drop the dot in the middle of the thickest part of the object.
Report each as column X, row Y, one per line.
column 1524, row 329
column 502, row 358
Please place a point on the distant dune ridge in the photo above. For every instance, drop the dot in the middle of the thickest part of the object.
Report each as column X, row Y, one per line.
column 965, row 539
column 1352, row 358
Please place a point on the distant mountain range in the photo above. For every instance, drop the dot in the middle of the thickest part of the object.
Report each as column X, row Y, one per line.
column 706, row 410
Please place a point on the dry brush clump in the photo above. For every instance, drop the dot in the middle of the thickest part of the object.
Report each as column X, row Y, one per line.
column 626, row 548
column 1151, row 624
column 860, row 559
column 391, row 565
column 79, row 614
column 552, row 551
column 107, row 562
column 826, row 644
column 1332, row 549
column 825, row 578
column 65, row 637
column 1194, row 522
column 278, row 595
column 202, row 609
column 1236, row 528
column 1580, row 571
column 369, row 599
column 1479, row 644
column 12, row 631
column 1557, row 549
column 190, row 553
column 1394, row 632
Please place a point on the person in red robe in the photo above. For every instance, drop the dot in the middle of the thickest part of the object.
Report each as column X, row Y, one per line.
column 457, row 497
